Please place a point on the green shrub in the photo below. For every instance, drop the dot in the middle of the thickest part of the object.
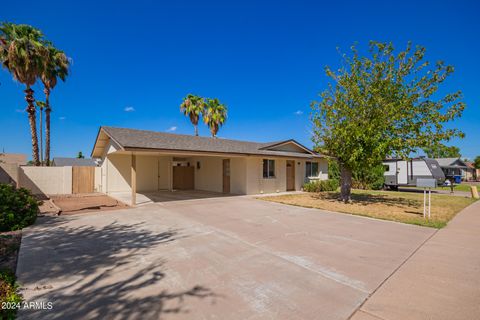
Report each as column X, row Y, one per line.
column 321, row 185
column 333, row 169
column 8, row 294
column 18, row 208
column 369, row 178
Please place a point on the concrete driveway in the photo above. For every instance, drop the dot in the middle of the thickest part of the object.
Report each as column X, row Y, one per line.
column 212, row 258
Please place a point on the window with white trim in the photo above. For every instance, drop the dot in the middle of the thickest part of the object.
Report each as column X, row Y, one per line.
column 311, row 169
column 268, row 168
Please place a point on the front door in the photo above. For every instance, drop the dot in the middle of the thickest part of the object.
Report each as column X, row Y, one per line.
column 402, row 172
column 226, row 175
column 290, row 175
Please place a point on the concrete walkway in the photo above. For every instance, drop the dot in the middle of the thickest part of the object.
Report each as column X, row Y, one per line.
column 440, row 281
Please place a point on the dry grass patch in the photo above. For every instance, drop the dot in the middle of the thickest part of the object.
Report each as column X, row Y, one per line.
column 395, row 206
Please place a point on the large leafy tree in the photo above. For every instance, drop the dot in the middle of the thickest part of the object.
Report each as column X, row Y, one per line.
column 442, row 151
column 21, row 53
column 383, row 104
column 215, row 115
column 477, row 162
column 193, row 107
column 55, row 66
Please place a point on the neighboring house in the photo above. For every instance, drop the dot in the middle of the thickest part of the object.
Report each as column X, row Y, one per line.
column 73, row 162
column 453, row 167
column 9, row 164
column 472, row 172
column 137, row 160
column 13, row 158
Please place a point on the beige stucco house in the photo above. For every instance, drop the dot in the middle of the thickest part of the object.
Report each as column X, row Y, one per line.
column 142, row 161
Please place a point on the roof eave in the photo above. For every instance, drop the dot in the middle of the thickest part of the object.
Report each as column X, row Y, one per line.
column 165, row 150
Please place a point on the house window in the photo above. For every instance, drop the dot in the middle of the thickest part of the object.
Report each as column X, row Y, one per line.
column 268, row 168
column 311, row 169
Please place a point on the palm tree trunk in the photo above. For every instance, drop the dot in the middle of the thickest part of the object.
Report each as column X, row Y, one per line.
column 47, row 126
column 345, row 183
column 41, row 136
column 33, row 124
column 196, row 129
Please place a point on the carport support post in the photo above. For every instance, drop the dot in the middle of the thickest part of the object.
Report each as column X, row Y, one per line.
column 134, row 179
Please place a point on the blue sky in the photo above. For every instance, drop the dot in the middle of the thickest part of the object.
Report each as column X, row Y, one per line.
column 134, row 61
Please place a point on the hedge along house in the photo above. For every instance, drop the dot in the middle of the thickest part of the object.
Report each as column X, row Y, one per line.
column 138, row 161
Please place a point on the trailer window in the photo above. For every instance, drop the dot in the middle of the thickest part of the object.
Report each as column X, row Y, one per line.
column 386, row 167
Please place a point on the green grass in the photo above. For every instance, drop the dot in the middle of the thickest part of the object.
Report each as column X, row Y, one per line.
column 406, row 207
column 458, row 187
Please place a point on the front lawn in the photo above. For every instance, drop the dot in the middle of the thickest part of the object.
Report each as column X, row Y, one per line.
column 458, row 187
column 395, row 206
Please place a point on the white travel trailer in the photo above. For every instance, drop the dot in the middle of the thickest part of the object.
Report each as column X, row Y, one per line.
column 400, row 172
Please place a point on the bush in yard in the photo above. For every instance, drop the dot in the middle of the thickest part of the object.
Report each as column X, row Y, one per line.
column 368, row 178
column 321, row 185
column 18, row 208
column 333, row 169
column 8, row 294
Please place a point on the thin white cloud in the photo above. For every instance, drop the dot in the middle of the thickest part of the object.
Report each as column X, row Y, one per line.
column 171, row 129
column 19, row 110
column 129, row 109
column 298, row 112
column 62, row 118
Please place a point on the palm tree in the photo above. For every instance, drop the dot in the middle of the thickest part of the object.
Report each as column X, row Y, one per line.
column 21, row 54
column 193, row 106
column 215, row 115
column 41, row 105
column 55, row 66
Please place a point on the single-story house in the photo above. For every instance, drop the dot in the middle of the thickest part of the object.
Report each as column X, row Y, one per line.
column 142, row 161
column 13, row 158
column 73, row 162
column 453, row 167
column 472, row 173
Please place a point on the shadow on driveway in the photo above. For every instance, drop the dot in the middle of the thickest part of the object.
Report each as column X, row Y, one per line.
column 99, row 272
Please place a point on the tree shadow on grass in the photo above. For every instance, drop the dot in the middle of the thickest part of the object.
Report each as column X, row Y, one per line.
column 370, row 199
column 113, row 271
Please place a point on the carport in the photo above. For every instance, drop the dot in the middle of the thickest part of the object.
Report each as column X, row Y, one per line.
column 148, row 176
column 143, row 198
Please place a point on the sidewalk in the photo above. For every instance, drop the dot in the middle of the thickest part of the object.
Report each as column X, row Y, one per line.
column 440, row 281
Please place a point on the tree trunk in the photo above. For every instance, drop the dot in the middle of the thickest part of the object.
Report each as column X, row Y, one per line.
column 214, row 130
column 345, row 183
column 196, row 129
column 41, row 136
column 33, row 124
column 47, row 126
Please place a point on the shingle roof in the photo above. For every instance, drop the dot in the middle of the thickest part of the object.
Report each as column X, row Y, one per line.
column 142, row 139
column 64, row 162
column 449, row 162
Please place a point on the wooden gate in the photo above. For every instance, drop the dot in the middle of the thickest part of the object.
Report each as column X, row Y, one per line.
column 183, row 178
column 83, row 179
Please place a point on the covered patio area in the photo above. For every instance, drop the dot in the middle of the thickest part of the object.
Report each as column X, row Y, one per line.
column 167, row 196
column 137, row 178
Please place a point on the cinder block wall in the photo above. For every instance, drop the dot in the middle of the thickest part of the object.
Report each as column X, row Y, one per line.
column 9, row 173
column 46, row 180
